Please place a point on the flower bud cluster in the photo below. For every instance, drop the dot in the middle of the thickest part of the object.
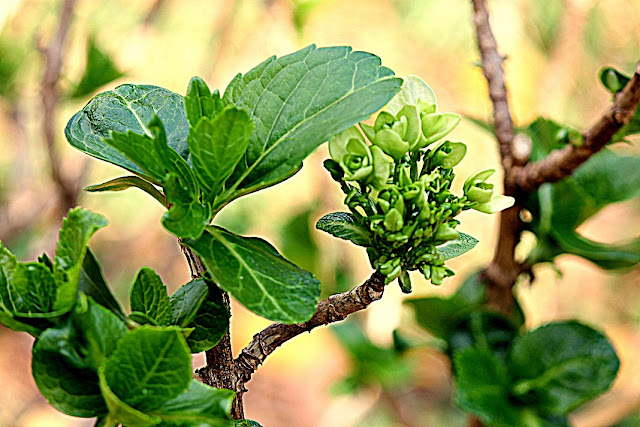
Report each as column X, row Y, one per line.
column 398, row 188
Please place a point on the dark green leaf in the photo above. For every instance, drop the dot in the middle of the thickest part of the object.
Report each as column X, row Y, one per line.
column 186, row 301
column 216, row 147
column 33, row 290
column 200, row 102
column 128, row 108
column 187, row 217
column 119, row 411
column 345, row 226
column 198, row 405
column 472, row 291
column 142, row 318
column 299, row 101
column 148, row 295
column 125, row 182
column 246, row 423
column 93, row 284
column 150, row 366
column 255, row 274
column 77, row 229
column 99, row 70
column 211, row 321
column 560, row 366
column 485, row 330
column 483, row 388
column 613, row 80
column 439, row 315
column 454, row 248
column 63, row 376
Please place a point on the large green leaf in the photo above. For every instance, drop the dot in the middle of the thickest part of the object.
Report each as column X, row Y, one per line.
column 211, row 321
column 128, row 108
column 299, row 101
column 93, row 284
column 62, row 374
column 255, row 274
column 148, row 295
column 560, row 366
column 77, row 229
column 198, row 405
column 216, row 147
column 99, row 70
column 150, row 366
column 345, row 226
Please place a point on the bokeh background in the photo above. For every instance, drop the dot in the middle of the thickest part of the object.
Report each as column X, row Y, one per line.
column 554, row 50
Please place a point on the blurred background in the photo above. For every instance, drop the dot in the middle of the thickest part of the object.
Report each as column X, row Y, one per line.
column 349, row 375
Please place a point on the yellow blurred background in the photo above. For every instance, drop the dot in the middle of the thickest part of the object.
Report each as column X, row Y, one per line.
column 554, row 50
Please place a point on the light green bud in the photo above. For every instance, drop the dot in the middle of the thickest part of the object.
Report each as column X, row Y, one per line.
column 445, row 233
column 393, row 220
column 391, row 143
column 381, row 168
column 405, row 282
column 413, row 129
column 348, row 148
column 476, row 189
column 437, row 125
column 384, row 120
column 404, row 178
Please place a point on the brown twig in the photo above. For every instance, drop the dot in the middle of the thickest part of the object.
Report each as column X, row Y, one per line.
column 53, row 57
column 562, row 162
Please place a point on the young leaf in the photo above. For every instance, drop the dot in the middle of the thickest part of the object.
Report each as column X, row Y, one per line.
column 216, row 147
column 345, row 226
column 125, row 182
column 187, row 217
column 93, row 284
column 77, row 228
column 198, row 405
column 255, row 274
column 454, row 248
column 186, row 301
column 246, row 423
column 560, row 366
column 128, row 108
column 482, row 388
column 200, row 102
column 148, row 295
column 33, row 290
column 210, row 323
column 63, row 376
column 413, row 89
column 150, row 366
column 298, row 101
column 99, row 70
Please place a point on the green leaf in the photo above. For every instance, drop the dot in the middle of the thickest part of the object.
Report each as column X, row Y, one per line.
column 125, row 182
column 454, row 248
column 438, row 315
column 211, row 321
column 63, row 376
column 128, row 108
column 93, row 284
column 562, row 365
column 255, row 274
column 482, row 388
column 187, row 217
column 613, row 80
column 200, row 102
column 198, row 405
column 344, row 225
column 33, row 290
column 482, row 329
column 216, row 147
column 148, row 295
column 119, row 411
column 77, row 228
column 299, row 101
column 186, row 301
column 99, row 70
column 246, row 423
column 142, row 318
column 150, row 366
column 413, row 89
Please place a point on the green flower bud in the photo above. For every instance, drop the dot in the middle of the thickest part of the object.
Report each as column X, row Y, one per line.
column 413, row 130
column 381, row 168
column 393, row 220
column 404, row 179
column 445, row 233
column 384, row 121
column 437, row 274
column 496, row 204
column 391, row 143
column 405, row 282
column 393, row 197
column 412, row 191
column 425, row 107
column 369, row 132
column 392, row 276
column 476, row 189
column 455, row 152
column 437, row 125
column 334, row 169
column 348, row 148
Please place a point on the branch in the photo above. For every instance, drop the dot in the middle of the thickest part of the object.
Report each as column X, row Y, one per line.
column 492, row 69
column 562, row 162
column 53, row 58
column 333, row 309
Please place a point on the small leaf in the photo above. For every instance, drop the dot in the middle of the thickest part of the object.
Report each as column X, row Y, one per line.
column 496, row 204
column 255, row 274
column 345, row 226
column 200, row 102
column 187, row 217
column 148, row 295
column 246, row 423
column 482, row 388
column 413, row 89
column 99, row 70
column 211, row 322
column 454, row 248
column 216, row 147
column 613, row 80
column 128, row 108
column 186, row 301
column 562, row 365
column 125, row 182
column 150, row 366
column 93, row 284
column 77, row 228
column 33, row 290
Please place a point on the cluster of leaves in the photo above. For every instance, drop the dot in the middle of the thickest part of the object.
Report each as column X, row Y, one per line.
column 198, row 153
column 511, row 377
column 402, row 207
column 92, row 360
